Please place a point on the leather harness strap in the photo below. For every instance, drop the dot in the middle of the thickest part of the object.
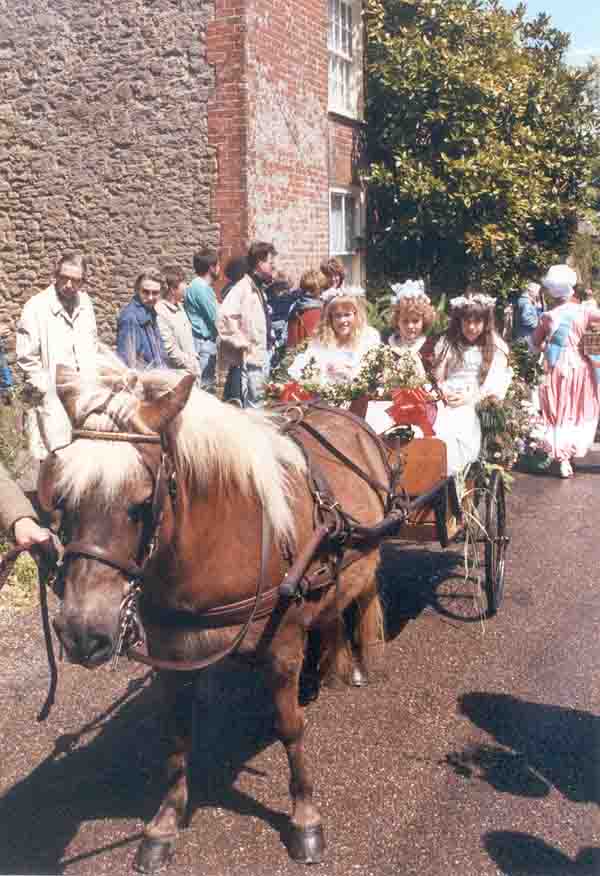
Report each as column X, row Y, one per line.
column 203, row 663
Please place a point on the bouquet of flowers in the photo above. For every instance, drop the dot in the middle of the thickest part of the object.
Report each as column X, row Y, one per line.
column 382, row 372
column 512, row 429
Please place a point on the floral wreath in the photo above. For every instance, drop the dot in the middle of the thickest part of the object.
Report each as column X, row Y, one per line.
column 409, row 289
column 343, row 292
column 479, row 299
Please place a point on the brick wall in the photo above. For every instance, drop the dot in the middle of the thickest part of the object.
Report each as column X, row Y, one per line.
column 268, row 122
column 288, row 177
column 103, row 142
column 227, row 123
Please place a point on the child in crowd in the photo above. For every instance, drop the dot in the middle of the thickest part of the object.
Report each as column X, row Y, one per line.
column 305, row 313
column 343, row 338
column 412, row 317
column 334, row 272
column 470, row 363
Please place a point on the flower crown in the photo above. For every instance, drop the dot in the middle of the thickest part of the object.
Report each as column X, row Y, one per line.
column 343, row 292
column 409, row 289
column 479, row 300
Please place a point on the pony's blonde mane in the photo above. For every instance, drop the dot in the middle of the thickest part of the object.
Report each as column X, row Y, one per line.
column 213, row 443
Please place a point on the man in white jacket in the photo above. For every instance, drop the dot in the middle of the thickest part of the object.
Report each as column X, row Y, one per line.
column 57, row 327
column 244, row 326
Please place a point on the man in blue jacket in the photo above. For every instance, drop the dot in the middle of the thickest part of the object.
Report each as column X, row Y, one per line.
column 139, row 343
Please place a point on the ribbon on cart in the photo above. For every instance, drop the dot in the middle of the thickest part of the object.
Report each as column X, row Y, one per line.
column 413, row 407
column 293, row 392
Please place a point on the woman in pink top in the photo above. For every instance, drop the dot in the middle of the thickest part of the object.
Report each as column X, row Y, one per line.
column 569, row 395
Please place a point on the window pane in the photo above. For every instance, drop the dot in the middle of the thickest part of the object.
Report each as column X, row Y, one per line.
column 344, row 79
column 350, row 223
column 336, row 223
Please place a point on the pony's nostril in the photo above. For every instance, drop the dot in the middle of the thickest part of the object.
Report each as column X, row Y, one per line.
column 83, row 646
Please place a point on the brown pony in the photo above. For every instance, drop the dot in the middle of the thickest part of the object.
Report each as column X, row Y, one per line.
column 233, row 477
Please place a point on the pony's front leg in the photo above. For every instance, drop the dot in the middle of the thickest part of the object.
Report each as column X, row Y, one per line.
column 158, row 843
column 306, row 842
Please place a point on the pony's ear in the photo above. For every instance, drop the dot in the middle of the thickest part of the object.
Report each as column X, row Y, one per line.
column 67, row 388
column 154, row 416
column 46, row 481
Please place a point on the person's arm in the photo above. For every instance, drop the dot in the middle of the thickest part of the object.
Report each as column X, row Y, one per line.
column 17, row 514
column 128, row 340
column 592, row 315
column 498, row 378
column 29, row 351
column 229, row 321
column 540, row 333
column 175, row 356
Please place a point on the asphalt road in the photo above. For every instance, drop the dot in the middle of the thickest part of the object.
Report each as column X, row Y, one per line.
column 476, row 750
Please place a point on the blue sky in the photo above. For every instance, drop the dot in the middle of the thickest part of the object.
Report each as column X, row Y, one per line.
column 580, row 18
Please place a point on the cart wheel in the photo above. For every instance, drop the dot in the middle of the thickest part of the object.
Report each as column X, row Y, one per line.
column 496, row 542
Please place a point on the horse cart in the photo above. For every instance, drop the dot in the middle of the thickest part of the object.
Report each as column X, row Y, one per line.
column 191, row 530
column 466, row 509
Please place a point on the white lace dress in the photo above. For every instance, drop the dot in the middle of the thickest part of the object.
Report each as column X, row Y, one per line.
column 334, row 364
column 459, row 426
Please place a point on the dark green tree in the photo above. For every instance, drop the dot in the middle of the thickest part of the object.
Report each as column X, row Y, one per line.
column 480, row 142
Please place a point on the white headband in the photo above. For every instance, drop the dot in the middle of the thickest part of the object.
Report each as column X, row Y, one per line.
column 343, row 292
column 409, row 289
column 560, row 281
column 479, row 300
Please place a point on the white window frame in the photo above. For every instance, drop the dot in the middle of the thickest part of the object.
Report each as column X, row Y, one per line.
column 345, row 195
column 345, row 48
column 350, row 255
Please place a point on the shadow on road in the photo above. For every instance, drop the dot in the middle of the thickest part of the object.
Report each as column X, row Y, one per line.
column 413, row 579
column 540, row 747
column 519, row 854
column 118, row 773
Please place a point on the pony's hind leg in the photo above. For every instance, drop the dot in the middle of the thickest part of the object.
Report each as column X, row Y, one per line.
column 369, row 632
column 157, row 845
column 305, row 842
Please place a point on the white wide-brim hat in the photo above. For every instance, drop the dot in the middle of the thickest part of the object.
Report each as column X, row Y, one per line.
column 560, row 281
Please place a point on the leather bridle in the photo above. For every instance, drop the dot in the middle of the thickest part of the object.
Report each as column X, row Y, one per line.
column 129, row 637
column 134, row 571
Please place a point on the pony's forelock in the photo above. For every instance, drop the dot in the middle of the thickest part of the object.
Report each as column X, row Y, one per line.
column 211, row 440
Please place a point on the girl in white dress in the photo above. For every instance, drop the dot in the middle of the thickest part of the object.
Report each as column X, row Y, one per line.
column 343, row 338
column 470, row 364
column 412, row 317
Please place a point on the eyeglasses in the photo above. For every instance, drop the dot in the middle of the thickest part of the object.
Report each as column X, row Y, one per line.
column 151, row 293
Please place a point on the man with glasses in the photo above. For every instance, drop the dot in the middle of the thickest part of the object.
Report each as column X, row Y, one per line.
column 57, row 326
column 139, row 343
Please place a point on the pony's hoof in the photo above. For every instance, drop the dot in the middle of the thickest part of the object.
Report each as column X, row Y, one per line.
column 306, row 844
column 153, row 855
column 359, row 677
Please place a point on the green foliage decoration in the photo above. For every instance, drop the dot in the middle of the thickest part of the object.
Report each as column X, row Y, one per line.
column 480, row 142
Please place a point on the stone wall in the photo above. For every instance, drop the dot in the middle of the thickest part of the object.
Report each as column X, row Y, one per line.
column 103, row 142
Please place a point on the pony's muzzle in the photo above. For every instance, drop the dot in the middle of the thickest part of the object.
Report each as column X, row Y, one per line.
column 83, row 645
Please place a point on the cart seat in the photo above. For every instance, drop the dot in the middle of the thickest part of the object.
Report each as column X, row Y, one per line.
column 425, row 465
